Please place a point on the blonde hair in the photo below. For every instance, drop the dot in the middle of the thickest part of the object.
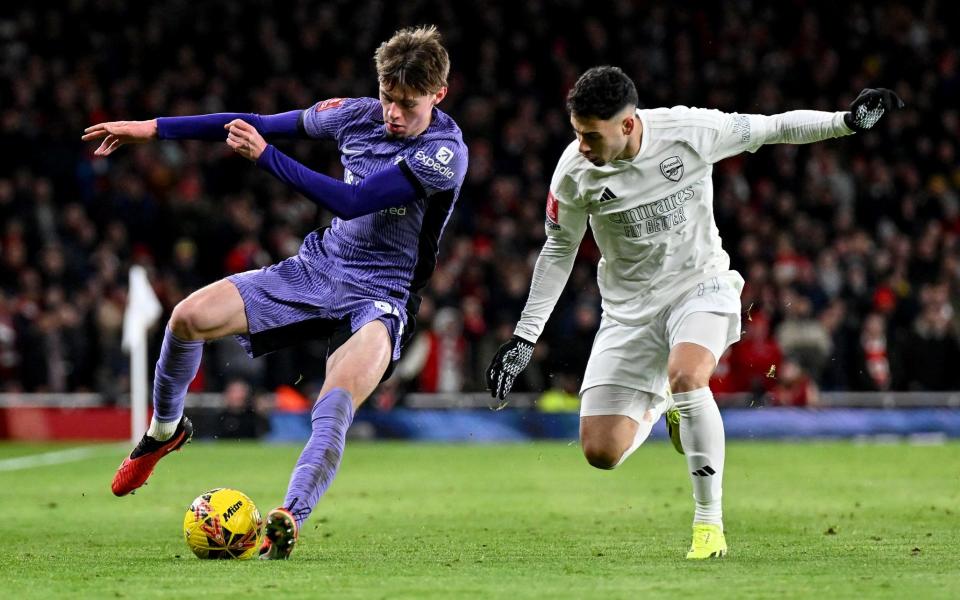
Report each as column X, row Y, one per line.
column 413, row 58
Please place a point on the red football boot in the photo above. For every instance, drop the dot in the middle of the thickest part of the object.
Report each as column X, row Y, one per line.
column 137, row 467
column 280, row 536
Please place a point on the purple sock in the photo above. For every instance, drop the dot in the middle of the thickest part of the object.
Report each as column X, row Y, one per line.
column 320, row 459
column 178, row 364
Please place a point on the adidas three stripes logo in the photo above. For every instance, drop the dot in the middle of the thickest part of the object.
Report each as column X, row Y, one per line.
column 704, row 472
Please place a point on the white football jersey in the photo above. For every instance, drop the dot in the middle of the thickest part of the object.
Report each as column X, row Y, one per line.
column 652, row 215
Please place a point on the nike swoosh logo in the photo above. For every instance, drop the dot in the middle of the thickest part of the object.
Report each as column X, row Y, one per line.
column 350, row 151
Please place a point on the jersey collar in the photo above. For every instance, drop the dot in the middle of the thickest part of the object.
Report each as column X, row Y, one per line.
column 644, row 142
column 644, row 139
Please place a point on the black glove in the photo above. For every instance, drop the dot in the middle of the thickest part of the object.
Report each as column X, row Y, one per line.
column 870, row 105
column 412, row 308
column 512, row 358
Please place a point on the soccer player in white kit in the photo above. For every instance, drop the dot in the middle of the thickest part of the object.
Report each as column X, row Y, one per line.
column 642, row 179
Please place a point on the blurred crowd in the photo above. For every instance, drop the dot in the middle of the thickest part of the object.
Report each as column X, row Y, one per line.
column 849, row 247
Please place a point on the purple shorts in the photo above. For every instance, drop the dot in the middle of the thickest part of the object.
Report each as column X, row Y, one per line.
column 295, row 301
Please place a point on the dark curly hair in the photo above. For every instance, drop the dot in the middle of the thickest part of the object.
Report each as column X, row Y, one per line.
column 601, row 92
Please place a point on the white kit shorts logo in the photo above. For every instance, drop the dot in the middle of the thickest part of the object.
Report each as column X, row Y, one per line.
column 438, row 164
column 386, row 307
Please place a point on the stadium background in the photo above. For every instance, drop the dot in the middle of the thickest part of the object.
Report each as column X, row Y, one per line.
column 849, row 247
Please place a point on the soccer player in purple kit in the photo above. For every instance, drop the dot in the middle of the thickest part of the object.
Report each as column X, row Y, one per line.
column 355, row 283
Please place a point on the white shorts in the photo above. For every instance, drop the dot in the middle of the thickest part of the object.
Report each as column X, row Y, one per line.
column 635, row 357
column 643, row 407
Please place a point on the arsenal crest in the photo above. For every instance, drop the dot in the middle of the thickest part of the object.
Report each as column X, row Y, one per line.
column 672, row 168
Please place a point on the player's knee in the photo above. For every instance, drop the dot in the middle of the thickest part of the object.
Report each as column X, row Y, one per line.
column 186, row 320
column 687, row 380
column 601, row 456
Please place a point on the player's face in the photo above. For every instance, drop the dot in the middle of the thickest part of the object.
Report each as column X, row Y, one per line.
column 601, row 140
column 407, row 113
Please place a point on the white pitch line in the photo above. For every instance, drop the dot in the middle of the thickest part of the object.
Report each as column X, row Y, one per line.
column 57, row 457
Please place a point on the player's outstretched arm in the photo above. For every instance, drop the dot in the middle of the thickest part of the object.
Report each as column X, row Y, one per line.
column 117, row 133
column 565, row 225
column 550, row 276
column 199, row 127
column 806, row 126
column 737, row 133
column 213, row 127
column 387, row 188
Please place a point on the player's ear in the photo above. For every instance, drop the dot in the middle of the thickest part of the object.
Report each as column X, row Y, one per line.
column 440, row 95
column 628, row 124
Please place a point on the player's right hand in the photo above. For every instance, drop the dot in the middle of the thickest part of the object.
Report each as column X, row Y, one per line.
column 117, row 133
column 511, row 359
column 870, row 105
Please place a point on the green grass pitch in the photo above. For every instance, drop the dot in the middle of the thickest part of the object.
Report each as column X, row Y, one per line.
column 828, row 520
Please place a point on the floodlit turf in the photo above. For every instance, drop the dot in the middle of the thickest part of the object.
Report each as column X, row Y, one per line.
column 528, row 520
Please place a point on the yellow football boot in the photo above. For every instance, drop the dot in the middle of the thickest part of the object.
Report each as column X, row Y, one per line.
column 672, row 417
column 708, row 542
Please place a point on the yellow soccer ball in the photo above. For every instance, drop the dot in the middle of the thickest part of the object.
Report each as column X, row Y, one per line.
column 223, row 523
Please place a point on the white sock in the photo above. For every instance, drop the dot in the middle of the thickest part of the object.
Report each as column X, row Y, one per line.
column 701, row 432
column 162, row 431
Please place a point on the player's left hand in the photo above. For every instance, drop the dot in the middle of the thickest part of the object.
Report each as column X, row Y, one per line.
column 118, row 133
column 869, row 106
column 245, row 139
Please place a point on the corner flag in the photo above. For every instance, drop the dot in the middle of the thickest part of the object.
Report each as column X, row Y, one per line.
column 143, row 310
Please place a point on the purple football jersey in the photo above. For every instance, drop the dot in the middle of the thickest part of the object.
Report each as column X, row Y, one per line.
column 361, row 269
column 395, row 249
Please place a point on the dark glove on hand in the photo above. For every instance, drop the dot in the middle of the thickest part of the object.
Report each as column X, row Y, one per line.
column 511, row 359
column 870, row 105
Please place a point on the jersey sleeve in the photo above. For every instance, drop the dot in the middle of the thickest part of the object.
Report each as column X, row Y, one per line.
column 437, row 165
column 720, row 135
column 566, row 222
column 713, row 134
column 324, row 119
column 566, row 217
